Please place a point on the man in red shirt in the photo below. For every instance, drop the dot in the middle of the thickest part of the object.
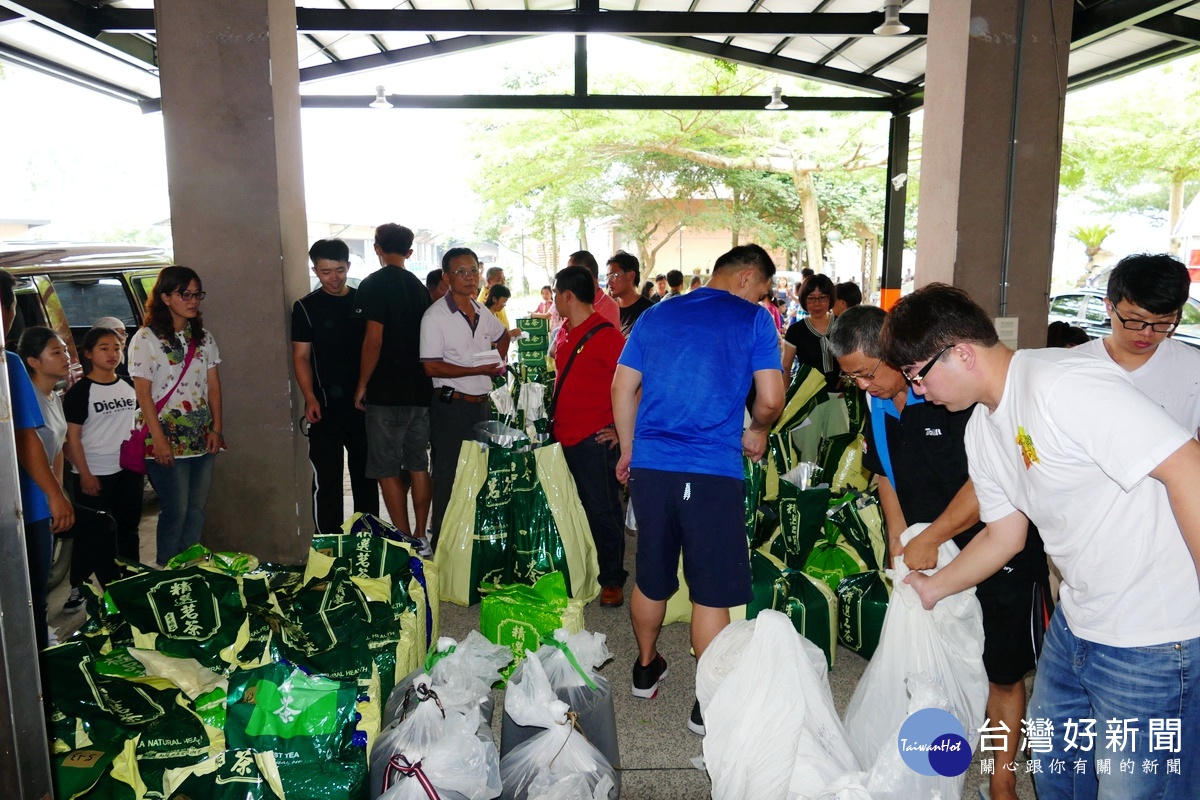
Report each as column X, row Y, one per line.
column 581, row 410
column 604, row 305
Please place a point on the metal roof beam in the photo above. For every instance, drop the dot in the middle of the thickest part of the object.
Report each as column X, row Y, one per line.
column 79, row 23
column 402, row 55
column 791, row 66
column 597, row 102
column 1133, row 63
column 1181, row 29
column 55, row 70
column 616, row 22
column 1103, row 20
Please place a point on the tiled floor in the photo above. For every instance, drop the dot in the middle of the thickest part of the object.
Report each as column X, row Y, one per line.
column 657, row 750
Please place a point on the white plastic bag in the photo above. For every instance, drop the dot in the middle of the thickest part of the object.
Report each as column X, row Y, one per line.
column 572, row 787
column 557, row 752
column 925, row 659
column 460, row 764
column 462, row 680
column 772, row 730
column 413, row 735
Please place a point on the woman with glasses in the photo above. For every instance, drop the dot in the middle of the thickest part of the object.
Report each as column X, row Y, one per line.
column 173, row 357
column 808, row 339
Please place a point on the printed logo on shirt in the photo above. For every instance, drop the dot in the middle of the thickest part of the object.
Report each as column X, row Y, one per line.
column 933, row 431
column 1028, row 451
column 119, row 404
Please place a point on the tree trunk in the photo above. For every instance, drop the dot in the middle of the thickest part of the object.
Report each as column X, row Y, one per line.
column 1175, row 210
column 810, row 219
column 733, row 227
column 583, row 245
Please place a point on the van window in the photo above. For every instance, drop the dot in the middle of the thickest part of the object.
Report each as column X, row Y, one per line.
column 85, row 300
column 29, row 313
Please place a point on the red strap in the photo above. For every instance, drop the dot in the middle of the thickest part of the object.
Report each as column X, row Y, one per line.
column 399, row 764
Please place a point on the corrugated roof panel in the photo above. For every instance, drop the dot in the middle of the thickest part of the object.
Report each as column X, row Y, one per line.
column 36, row 40
column 811, row 48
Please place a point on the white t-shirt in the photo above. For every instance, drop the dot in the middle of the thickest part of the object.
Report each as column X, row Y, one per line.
column 54, row 433
column 186, row 418
column 1171, row 377
column 446, row 335
column 1071, row 445
column 106, row 412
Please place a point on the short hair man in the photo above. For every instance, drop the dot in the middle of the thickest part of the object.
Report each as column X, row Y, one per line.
column 1146, row 296
column 44, row 507
column 846, row 295
column 327, row 341
column 695, row 284
column 455, row 330
column 674, row 283
column 923, row 478
column 624, row 286
column 581, row 410
column 436, row 286
column 1065, row 441
column 393, row 389
column 604, row 305
column 682, row 444
column 660, row 288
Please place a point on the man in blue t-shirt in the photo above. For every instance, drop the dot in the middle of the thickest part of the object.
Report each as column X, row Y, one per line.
column 693, row 362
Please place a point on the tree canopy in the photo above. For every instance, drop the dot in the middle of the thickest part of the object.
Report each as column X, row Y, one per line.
column 780, row 179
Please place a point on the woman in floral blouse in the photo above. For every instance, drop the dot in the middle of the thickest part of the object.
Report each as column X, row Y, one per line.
column 186, row 433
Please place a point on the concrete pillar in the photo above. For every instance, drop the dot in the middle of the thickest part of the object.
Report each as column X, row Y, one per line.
column 995, row 84
column 231, row 105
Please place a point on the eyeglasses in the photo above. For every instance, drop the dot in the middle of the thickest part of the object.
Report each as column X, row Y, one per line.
column 191, row 295
column 612, row 276
column 464, row 273
column 1141, row 325
column 820, row 298
column 852, row 377
column 916, row 380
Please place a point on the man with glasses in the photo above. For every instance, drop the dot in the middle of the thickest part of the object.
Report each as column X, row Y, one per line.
column 1146, row 295
column 392, row 389
column 916, row 450
column 1065, row 441
column 623, row 285
column 463, row 346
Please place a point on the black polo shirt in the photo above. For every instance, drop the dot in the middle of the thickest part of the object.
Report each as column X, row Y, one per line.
column 928, row 455
column 336, row 335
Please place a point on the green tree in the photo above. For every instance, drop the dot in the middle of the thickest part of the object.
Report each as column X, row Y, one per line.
column 1133, row 145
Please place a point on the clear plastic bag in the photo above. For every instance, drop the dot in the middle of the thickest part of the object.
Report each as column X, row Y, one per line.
column 557, row 752
column 458, row 765
column 572, row 787
column 412, row 735
column 462, row 679
column 579, row 686
column 925, row 659
column 761, row 672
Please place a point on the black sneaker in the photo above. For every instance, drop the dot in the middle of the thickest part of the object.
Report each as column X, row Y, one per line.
column 647, row 678
column 695, row 722
column 74, row 600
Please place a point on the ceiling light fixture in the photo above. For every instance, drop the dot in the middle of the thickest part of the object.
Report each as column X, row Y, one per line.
column 380, row 99
column 776, row 103
column 892, row 26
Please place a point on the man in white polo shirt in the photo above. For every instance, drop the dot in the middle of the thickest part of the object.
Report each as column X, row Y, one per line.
column 455, row 331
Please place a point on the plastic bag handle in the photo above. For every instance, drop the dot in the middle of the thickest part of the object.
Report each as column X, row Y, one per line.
column 399, row 764
column 587, row 679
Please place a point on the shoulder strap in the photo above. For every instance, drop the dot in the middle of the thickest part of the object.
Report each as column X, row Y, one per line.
column 187, row 362
column 562, row 376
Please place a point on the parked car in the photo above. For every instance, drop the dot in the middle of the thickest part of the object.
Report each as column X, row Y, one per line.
column 68, row 287
column 1084, row 308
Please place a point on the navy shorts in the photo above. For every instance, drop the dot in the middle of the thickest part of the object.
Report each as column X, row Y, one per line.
column 702, row 515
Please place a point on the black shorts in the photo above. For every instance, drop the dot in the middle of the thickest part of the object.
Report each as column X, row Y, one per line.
column 703, row 516
column 1014, row 624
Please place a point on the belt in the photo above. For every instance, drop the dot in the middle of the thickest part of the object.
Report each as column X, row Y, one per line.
column 470, row 398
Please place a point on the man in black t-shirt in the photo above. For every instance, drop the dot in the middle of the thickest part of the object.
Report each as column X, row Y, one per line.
column 624, row 286
column 918, row 454
column 392, row 386
column 326, row 347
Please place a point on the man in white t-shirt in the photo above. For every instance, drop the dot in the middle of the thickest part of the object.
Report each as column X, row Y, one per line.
column 1146, row 295
column 1113, row 484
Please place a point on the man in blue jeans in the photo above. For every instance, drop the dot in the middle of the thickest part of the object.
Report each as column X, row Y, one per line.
column 1112, row 482
column 692, row 362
